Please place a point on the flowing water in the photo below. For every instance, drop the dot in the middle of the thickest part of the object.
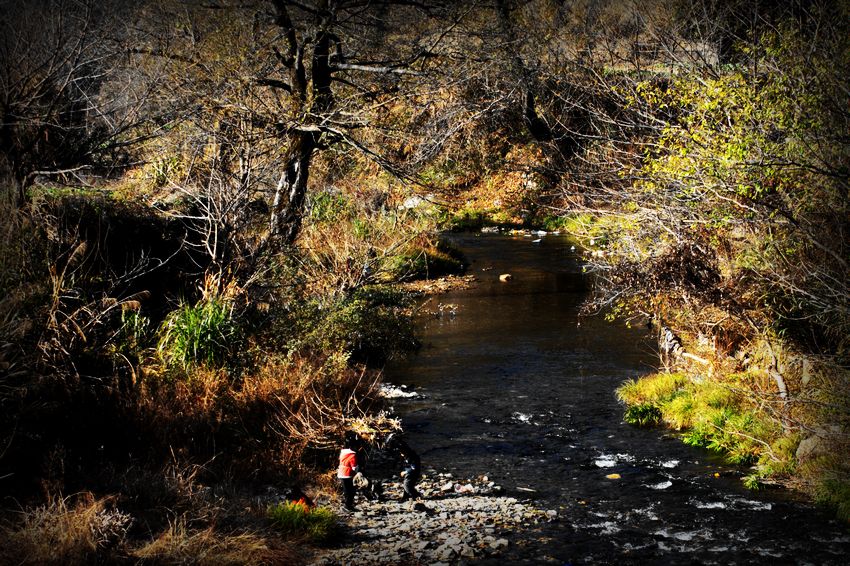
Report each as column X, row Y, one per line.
column 511, row 384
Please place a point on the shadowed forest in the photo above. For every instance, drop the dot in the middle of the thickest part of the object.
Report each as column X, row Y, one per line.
column 214, row 212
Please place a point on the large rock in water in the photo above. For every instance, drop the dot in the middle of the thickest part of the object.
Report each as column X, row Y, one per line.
column 505, row 277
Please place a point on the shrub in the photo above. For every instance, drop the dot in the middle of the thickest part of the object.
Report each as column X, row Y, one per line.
column 835, row 494
column 781, row 459
column 296, row 517
column 466, row 220
column 424, row 261
column 369, row 325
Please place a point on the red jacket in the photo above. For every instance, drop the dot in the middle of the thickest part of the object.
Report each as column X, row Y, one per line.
column 347, row 463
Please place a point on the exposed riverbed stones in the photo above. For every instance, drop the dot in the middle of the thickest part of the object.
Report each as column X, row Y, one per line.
column 471, row 519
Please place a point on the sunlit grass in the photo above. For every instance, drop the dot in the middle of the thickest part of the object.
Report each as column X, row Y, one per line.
column 712, row 416
column 180, row 544
column 296, row 517
column 204, row 333
column 656, row 388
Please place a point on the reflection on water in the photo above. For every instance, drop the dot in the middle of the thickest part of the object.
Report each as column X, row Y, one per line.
column 515, row 387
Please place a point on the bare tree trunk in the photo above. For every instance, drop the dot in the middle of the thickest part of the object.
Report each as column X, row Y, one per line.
column 290, row 195
column 537, row 127
column 288, row 206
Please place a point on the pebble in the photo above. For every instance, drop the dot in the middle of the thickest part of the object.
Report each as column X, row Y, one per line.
column 460, row 525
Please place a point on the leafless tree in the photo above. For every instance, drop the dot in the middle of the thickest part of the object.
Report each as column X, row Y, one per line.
column 62, row 111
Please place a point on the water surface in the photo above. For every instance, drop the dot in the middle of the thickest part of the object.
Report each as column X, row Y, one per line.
column 515, row 386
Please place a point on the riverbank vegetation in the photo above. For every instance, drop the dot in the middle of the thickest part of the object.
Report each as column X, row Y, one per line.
column 206, row 208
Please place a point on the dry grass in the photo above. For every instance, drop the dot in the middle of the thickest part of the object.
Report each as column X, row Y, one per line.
column 180, row 544
column 345, row 252
column 64, row 532
column 93, row 531
column 261, row 420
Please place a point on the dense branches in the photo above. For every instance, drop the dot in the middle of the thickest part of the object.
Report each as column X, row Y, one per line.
column 64, row 110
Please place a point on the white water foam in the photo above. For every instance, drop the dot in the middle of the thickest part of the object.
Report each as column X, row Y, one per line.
column 522, row 417
column 389, row 391
column 840, row 539
column 684, row 536
column 649, row 513
column 629, row 546
column 753, row 505
column 611, row 460
column 710, row 505
column 662, row 485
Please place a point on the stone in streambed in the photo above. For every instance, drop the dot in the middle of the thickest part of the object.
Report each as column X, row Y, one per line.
column 446, row 552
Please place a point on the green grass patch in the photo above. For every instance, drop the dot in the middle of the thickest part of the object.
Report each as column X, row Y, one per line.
column 202, row 334
column 329, row 207
column 713, row 417
column 656, row 389
column 643, row 415
column 296, row 518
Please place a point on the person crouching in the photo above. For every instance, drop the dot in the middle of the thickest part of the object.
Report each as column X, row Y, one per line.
column 411, row 463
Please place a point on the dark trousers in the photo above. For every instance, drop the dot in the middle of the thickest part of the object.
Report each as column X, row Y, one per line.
column 410, row 481
column 348, row 491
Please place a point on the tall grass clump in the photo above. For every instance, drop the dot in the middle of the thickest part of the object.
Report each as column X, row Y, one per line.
column 643, row 415
column 180, row 544
column 296, row 518
column 202, row 334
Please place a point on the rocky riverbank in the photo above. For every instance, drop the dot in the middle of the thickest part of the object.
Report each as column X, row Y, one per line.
column 454, row 523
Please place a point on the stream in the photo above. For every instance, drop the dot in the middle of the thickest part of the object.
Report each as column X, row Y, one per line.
column 511, row 384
